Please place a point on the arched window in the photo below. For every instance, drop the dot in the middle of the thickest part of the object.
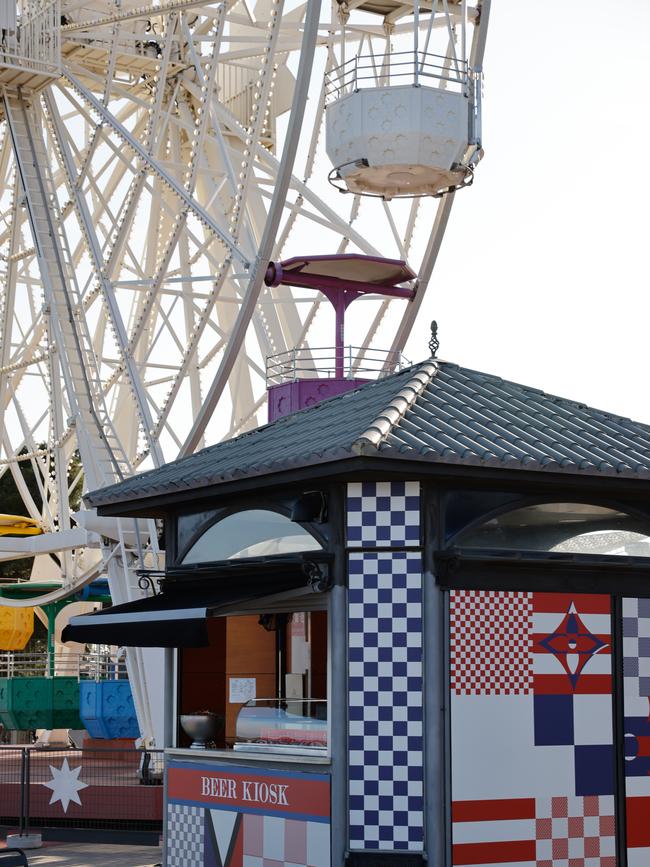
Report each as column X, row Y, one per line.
column 250, row 533
column 570, row 528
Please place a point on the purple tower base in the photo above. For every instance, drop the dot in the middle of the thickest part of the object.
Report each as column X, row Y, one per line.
column 288, row 397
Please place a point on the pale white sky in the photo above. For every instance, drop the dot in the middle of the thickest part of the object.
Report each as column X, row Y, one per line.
column 543, row 274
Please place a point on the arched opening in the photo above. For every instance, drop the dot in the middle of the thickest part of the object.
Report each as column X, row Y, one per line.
column 570, row 528
column 249, row 533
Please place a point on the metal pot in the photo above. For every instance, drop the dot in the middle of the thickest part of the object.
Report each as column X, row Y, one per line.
column 202, row 728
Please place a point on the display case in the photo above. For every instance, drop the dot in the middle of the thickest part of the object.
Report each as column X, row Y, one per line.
column 277, row 726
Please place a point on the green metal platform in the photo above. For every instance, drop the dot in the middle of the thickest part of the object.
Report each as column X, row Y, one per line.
column 40, row 703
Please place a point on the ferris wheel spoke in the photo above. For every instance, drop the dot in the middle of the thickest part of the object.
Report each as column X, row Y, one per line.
column 135, row 97
column 94, row 250
column 247, row 421
column 205, row 218
column 190, row 353
column 431, row 254
column 36, row 461
column 180, row 221
column 12, row 464
column 266, row 245
column 101, row 208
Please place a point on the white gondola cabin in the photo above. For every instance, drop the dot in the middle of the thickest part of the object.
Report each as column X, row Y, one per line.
column 403, row 112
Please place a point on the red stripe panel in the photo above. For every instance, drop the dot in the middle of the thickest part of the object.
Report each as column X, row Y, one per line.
column 493, row 853
column 638, row 822
column 558, row 603
column 493, row 811
column 559, row 684
column 606, row 639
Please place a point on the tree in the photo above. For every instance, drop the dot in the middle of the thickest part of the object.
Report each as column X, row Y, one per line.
column 11, row 503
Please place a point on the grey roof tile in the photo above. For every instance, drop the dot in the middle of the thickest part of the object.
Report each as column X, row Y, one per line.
column 434, row 411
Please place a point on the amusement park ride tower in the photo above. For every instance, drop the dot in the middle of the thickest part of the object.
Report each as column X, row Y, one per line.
column 154, row 159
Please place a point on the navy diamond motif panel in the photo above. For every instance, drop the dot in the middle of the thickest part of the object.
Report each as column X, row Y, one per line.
column 383, row 514
column 385, row 695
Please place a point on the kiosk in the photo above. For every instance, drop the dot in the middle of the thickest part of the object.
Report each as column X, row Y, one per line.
column 459, row 567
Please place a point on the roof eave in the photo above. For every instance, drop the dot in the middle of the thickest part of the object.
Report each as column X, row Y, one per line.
column 367, row 460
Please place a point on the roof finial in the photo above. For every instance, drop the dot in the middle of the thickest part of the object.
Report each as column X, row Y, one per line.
column 434, row 343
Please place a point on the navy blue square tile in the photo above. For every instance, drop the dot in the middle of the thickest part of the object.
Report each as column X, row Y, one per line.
column 553, row 719
column 594, row 769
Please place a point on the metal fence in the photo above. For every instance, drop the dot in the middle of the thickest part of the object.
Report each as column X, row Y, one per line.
column 398, row 68
column 321, row 363
column 31, row 41
column 104, row 789
column 96, row 666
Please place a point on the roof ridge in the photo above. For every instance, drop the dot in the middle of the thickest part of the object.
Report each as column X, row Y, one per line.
column 391, row 415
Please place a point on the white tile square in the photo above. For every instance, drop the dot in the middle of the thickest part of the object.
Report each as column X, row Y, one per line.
column 318, row 844
column 560, row 828
column 592, row 826
column 576, row 847
column 592, row 719
column 273, row 836
column 644, row 666
column 607, row 846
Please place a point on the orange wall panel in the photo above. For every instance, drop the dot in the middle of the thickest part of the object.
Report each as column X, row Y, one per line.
column 249, row 647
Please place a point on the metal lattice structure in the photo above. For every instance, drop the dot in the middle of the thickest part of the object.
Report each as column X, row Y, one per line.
column 153, row 160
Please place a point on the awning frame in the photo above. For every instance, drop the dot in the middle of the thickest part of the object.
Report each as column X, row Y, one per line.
column 176, row 616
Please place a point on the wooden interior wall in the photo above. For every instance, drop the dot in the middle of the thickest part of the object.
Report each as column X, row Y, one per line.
column 240, row 647
column 250, row 652
column 203, row 675
column 318, row 654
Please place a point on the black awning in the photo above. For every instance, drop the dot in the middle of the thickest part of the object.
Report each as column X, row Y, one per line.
column 176, row 617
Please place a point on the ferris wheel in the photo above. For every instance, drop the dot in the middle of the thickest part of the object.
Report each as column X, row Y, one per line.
column 154, row 159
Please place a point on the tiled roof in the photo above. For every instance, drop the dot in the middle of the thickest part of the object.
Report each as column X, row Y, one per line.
column 434, row 411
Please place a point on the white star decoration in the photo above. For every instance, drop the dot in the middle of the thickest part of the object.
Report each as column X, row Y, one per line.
column 65, row 785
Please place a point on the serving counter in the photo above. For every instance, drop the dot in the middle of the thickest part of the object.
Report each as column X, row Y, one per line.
column 229, row 809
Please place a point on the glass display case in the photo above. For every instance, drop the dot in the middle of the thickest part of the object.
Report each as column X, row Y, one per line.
column 293, row 726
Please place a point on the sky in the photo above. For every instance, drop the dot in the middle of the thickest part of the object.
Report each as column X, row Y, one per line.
column 543, row 273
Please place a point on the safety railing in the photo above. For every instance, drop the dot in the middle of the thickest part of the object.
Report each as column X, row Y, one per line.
column 322, row 362
column 104, row 789
column 237, row 93
column 83, row 666
column 31, row 39
column 399, row 68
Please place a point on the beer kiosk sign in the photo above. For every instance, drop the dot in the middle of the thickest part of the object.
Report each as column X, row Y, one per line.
column 231, row 816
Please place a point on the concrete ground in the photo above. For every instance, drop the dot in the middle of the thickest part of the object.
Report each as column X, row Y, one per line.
column 93, row 855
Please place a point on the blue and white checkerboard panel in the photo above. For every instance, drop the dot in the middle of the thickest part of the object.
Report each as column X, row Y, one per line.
column 385, row 699
column 184, row 835
column 383, row 514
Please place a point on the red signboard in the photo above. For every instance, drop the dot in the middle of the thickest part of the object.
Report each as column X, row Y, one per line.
column 237, row 788
column 238, row 814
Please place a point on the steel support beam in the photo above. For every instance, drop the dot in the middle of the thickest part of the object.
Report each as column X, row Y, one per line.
column 256, row 282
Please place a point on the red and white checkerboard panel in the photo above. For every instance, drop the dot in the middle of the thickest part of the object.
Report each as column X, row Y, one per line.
column 491, row 642
column 270, row 841
column 575, row 832
column 528, row 832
